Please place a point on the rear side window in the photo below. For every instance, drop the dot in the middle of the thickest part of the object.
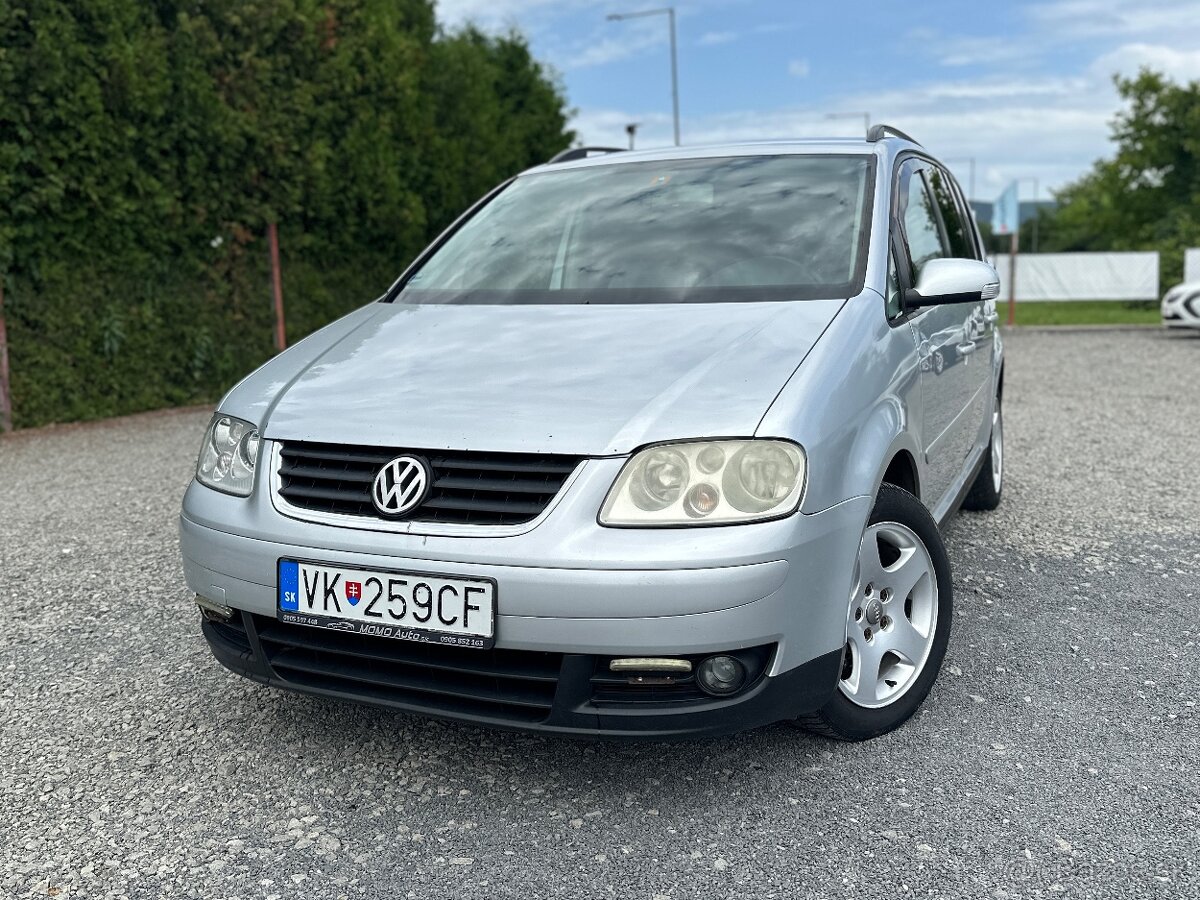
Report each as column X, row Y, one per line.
column 920, row 223
column 958, row 232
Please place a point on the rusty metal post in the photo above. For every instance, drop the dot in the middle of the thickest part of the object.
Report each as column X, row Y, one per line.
column 277, row 287
column 5, row 384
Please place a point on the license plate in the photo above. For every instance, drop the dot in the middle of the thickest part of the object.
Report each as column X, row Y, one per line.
column 407, row 606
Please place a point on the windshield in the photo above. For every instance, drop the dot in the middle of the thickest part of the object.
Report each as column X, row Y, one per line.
column 744, row 228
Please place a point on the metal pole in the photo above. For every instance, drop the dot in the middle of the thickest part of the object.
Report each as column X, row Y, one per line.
column 277, row 287
column 5, row 390
column 670, row 13
column 972, row 197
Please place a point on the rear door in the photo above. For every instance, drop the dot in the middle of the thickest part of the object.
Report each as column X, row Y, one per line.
column 943, row 338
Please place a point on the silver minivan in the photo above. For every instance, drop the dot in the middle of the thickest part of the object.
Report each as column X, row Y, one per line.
column 646, row 444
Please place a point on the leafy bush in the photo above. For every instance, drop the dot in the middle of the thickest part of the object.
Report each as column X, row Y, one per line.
column 144, row 147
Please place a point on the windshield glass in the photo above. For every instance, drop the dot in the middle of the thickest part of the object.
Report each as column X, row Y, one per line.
column 743, row 228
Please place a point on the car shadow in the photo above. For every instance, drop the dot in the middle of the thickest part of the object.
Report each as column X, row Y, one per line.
column 344, row 741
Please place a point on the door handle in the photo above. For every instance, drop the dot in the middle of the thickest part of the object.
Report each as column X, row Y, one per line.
column 966, row 349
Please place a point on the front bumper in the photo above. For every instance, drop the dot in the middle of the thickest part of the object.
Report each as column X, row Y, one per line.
column 568, row 588
column 553, row 693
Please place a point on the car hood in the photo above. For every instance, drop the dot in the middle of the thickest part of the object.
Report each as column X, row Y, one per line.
column 577, row 379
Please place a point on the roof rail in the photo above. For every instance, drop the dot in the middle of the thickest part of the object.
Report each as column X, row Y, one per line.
column 574, row 153
column 880, row 131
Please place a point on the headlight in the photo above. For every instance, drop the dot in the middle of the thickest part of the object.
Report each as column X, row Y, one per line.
column 228, row 456
column 707, row 483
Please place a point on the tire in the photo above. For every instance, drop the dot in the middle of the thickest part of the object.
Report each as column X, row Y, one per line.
column 886, row 677
column 939, row 362
column 989, row 483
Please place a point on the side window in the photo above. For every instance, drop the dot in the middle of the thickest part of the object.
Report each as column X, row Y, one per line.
column 958, row 231
column 920, row 224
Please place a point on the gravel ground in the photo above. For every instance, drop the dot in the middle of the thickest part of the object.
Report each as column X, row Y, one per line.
column 1056, row 757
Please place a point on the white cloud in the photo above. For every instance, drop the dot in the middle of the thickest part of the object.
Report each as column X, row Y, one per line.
column 1181, row 65
column 1016, row 120
column 978, row 51
column 620, row 40
column 713, row 38
column 1072, row 19
column 1050, row 129
column 1012, row 104
column 1054, row 26
column 608, row 50
column 1051, row 143
column 999, row 89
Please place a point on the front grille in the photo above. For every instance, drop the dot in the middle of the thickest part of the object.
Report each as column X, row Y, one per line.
column 511, row 685
column 468, row 487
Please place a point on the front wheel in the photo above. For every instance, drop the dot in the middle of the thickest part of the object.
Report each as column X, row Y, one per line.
column 897, row 623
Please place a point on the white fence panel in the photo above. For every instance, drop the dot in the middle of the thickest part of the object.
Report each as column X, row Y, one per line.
column 1191, row 264
column 1081, row 276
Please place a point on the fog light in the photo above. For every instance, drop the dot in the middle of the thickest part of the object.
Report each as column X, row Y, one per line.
column 650, row 664
column 721, row 675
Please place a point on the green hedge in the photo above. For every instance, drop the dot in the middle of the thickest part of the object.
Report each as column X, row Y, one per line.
column 144, row 147
column 89, row 344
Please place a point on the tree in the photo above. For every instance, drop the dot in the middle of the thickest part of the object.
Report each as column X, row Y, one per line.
column 497, row 112
column 146, row 144
column 1147, row 197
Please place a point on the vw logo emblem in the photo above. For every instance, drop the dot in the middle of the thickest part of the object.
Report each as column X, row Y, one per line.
column 400, row 486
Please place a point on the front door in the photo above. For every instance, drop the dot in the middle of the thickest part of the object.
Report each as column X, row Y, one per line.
column 950, row 356
column 976, row 351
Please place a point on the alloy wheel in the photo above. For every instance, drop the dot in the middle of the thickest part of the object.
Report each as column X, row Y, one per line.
column 892, row 616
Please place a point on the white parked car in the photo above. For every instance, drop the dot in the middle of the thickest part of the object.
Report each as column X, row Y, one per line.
column 1181, row 306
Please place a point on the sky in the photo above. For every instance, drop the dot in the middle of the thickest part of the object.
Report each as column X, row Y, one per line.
column 1022, row 88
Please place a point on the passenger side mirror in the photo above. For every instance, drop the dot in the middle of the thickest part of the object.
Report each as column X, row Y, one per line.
column 943, row 281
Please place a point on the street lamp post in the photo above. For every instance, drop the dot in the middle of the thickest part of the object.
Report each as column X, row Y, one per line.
column 866, row 117
column 669, row 12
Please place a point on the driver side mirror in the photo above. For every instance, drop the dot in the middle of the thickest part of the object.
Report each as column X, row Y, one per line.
column 942, row 281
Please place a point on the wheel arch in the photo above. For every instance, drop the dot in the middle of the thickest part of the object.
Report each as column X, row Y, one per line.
column 901, row 471
column 887, row 452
